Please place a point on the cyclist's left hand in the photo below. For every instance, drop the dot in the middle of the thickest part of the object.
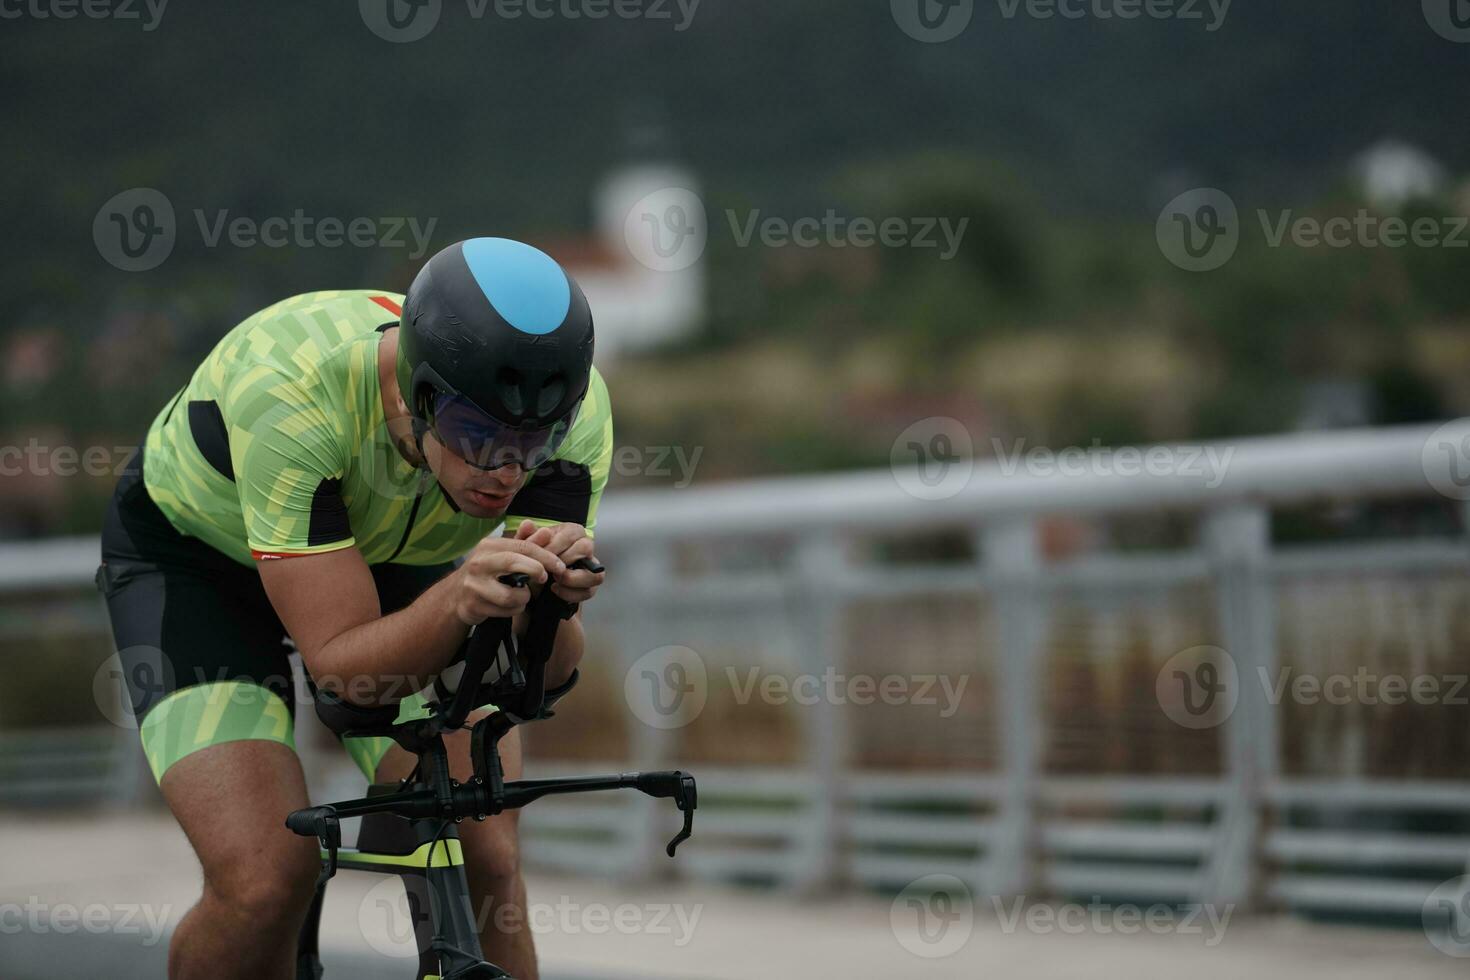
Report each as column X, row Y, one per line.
column 571, row 543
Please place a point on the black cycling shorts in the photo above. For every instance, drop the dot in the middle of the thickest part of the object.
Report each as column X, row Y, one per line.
column 203, row 653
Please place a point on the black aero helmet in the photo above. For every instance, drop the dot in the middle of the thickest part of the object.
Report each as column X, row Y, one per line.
column 495, row 352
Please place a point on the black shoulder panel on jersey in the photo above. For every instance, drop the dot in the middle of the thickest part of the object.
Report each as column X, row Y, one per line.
column 207, row 425
column 558, row 491
column 329, row 521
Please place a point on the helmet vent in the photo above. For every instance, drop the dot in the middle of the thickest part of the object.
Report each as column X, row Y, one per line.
column 551, row 395
column 508, row 383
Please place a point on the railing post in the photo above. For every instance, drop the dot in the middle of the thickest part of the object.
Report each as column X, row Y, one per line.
column 647, row 573
column 1010, row 559
column 1238, row 540
column 821, row 561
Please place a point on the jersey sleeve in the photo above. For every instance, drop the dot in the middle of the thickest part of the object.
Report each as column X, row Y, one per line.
column 289, row 460
column 568, row 489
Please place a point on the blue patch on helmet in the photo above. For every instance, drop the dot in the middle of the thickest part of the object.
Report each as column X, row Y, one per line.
column 524, row 284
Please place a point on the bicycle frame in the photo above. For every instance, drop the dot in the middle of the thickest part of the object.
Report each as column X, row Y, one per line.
column 409, row 829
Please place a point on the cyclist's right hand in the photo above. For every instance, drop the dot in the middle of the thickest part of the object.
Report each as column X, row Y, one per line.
column 479, row 593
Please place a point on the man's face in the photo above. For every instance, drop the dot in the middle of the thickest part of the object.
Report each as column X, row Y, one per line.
column 479, row 493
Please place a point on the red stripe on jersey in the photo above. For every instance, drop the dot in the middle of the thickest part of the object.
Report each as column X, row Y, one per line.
column 388, row 305
column 276, row 555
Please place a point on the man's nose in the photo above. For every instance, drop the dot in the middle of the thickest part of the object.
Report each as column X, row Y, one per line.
column 508, row 475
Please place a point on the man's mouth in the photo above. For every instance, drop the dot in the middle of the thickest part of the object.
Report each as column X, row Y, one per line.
column 492, row 500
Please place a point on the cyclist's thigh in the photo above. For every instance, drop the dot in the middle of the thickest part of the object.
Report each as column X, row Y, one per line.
column 232, row 800
column 200, row 645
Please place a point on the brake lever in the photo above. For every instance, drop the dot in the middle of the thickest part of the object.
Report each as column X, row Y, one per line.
column 686, row 802
column 680, row 787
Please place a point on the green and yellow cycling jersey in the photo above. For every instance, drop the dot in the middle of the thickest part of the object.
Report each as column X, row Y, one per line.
column 279, row 446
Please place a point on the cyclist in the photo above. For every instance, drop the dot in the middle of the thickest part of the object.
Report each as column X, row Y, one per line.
column 321, row 476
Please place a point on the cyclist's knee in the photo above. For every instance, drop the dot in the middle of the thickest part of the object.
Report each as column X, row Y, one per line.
column 494, row 852
column 267, row 891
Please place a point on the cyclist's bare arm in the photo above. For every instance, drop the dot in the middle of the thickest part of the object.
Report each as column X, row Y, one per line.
column 329, row 605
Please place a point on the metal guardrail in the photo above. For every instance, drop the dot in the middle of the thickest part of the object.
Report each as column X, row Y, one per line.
column 1014, row 828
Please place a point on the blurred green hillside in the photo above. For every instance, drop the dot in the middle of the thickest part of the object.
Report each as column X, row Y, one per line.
column 1059, row 320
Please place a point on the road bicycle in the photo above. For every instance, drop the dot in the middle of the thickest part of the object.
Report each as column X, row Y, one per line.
column 409, row 829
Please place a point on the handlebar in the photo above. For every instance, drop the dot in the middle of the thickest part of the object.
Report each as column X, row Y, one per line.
column 526, row 674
